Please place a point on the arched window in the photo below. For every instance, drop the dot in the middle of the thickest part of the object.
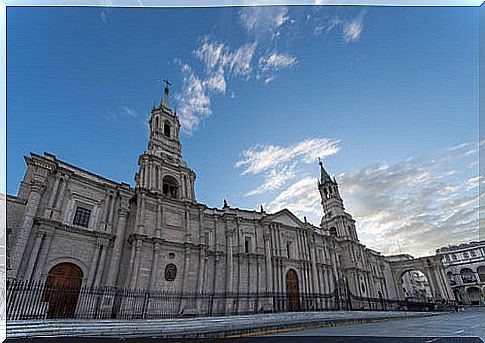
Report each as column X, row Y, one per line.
column 481, row 273
column 166, row 129
column 156, row 123
column 467, row 275
column 170, row 186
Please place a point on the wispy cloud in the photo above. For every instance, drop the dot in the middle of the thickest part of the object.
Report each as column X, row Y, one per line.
column 262, row 158
column 350, row 27
column 121, row 112
column 276, row 61
column 264, row 21
column 278, row 164
column 415, row 205
column 218, row 61
column 274, row 179
column 353, row 29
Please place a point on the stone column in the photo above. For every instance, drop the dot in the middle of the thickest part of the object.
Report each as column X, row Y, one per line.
column 158, row 220
column 315, row 282
column 52, row 197
column 140, row 217
column 110, row 214
column 94, row 263
column 102, row 261
column 36, row 190
column 33, row 256
column 142, row 175
column 117, row 247
column 60, row 198
column 42, row 256
column 154, row 269
column 229, row 256
column 136, row 264
column 269, row 271
column 200, row 277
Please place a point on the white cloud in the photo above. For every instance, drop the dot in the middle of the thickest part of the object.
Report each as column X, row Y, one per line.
column 218, row 60
column 279, row 165
column 276, row 61
column 129, row 111
column 413, row 206
column 122, row 112
column 352, row 30
column 301, row 198
column 274, row 179
column 194, row 101
column 262, row 158
column 263, row 21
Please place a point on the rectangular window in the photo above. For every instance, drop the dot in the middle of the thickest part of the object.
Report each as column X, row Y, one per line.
column 320, row 255
column 465, row 254
column 81, row 218
column 247, row 244
column 288, row 249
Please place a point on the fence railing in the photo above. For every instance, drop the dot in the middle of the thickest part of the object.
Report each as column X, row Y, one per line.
column 38, row 300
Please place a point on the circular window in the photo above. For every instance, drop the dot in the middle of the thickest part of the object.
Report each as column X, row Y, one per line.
column 170, row 272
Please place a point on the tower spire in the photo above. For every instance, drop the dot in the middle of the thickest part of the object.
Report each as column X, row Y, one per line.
column 324, row 177
column 165, row 102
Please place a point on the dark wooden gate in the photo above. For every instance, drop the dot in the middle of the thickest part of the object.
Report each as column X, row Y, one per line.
column 62, row 290
column 292, row 290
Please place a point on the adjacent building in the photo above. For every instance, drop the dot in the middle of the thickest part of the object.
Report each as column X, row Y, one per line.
column 465, row 269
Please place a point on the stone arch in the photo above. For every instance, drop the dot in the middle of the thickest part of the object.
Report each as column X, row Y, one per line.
column 431, row 267
column 481, row 273
column 52, row 263
column 167, row 129
column 170, row 186
column 292, row 290
column 415, row 285
column 62, row 289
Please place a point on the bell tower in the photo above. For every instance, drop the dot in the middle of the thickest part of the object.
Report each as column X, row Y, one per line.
column 334, row 219
column 161, row 167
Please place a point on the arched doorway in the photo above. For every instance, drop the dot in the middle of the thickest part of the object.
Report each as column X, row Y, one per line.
column 292, row 290
column 415, row 286
column 62, row 289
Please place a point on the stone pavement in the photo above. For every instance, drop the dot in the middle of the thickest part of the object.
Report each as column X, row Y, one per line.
column 467, row 323
column 201, row 327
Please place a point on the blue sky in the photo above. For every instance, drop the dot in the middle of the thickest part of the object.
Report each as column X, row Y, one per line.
column 388, row 96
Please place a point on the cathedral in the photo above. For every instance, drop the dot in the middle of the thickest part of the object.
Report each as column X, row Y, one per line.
column 69, row 225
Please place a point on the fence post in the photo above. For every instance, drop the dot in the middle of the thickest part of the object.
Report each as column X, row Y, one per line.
column 145, row 304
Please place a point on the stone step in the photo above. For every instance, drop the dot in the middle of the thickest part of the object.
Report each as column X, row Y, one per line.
column 193, row 327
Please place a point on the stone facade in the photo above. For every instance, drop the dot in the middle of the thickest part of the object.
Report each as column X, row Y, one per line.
column 465, row 269
column 156, row 236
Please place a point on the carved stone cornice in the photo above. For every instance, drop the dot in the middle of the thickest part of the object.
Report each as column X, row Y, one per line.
column 46, row 223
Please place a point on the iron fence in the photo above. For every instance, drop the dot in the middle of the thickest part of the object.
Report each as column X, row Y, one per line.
column 39, row 300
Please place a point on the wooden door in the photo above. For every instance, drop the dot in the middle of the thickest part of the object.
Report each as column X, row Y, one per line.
column 62, row 290
column 292, row 290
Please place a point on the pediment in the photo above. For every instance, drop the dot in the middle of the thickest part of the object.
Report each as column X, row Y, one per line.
column 286, row 218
